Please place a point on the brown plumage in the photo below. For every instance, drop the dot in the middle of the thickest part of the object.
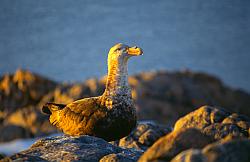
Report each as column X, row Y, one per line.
column 110, row 116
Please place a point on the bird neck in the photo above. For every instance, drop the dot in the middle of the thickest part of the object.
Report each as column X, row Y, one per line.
column 117, row 79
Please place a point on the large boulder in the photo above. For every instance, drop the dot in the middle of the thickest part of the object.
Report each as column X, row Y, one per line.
column 215, row 122
column 201, row 118
column 229, row 151
column 67, row 148
column 170, row 145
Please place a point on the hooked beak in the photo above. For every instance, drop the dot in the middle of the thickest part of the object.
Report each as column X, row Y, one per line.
column 134, row 51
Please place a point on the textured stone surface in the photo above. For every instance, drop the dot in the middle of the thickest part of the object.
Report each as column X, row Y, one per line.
column 230, row 151
column 121, row 157
column 66, row 148
column 175, row 142
column 239, row 120
column 219, row 131
column 201, row 118
column 143, row 136
column 215, row 122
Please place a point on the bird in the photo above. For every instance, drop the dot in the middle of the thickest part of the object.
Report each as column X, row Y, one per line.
column 110, row 116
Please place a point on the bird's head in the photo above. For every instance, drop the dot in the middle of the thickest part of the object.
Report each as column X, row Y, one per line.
column 123, row 52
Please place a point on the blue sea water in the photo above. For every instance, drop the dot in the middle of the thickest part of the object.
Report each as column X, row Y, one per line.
column 69, row 40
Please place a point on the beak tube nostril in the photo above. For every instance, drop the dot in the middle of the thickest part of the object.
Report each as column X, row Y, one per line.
column 134, row 51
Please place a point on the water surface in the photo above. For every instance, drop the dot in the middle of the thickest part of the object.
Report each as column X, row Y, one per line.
column 69, row 40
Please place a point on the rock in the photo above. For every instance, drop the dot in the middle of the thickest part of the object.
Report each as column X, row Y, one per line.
column 22, row 89
column 11, row 132
column 239, row 120
column 32, row 120
column 143, row 136
column 191, row 155
column 160, row 96
column 120, row 157
column 230, row 151
column 219, row 131
column 69, row 92
column 166, row 96
column 1, row 156
column 68, row 148
column 20, row 157
column 215, row 122
column 201, row 118
column 170, row 145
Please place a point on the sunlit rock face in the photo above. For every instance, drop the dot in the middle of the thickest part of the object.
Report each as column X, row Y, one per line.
column 20, row 117
column 170, row 145
column 22, row 89
column 216, row 122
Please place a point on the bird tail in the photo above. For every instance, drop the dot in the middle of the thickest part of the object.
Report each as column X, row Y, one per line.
column 50, row 107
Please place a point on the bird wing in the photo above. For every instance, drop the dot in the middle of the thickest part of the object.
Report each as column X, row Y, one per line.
column 81, row 113
column 85, row 106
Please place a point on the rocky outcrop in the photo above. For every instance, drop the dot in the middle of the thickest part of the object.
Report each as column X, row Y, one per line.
column 129, row 148
column 163, row 96
column 159, row 96
column 166, row 96
column 196, row 130
column 19, row 94
column 67, row 148
column 206, row 131
column 230, row 151
column 22, row 89
column 170, row 145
